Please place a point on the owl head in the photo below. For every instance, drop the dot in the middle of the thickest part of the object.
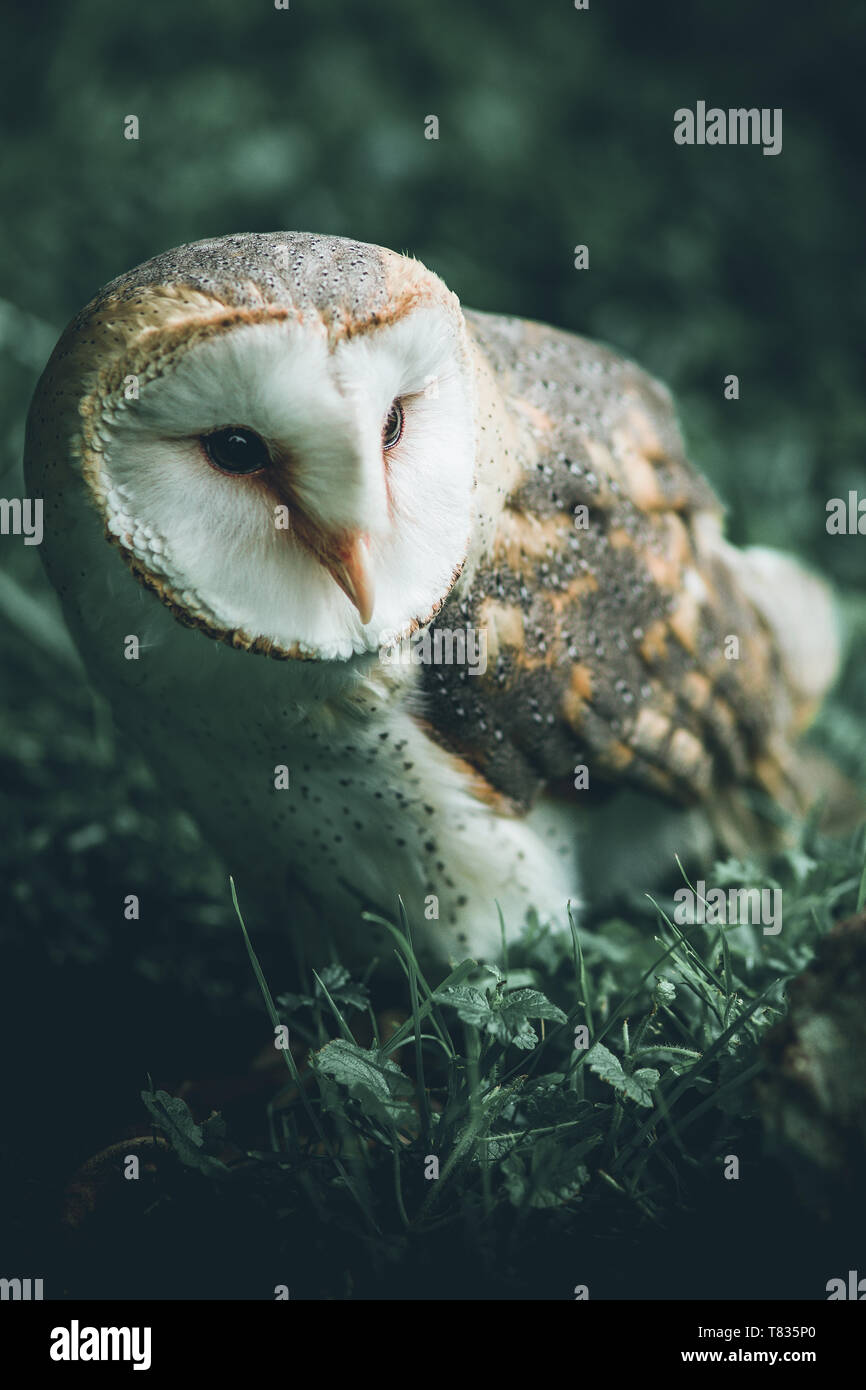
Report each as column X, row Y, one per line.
column 277, row 432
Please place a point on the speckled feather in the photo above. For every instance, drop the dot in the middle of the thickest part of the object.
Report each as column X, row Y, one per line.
column 603, row 647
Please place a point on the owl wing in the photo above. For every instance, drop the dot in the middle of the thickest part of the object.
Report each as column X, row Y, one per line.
column 618, row 636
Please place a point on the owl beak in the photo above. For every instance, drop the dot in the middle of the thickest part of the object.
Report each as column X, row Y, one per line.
column 349, row 565
column 346, row 556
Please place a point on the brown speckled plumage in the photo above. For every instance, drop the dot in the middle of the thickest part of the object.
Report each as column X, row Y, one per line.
column 597, row 651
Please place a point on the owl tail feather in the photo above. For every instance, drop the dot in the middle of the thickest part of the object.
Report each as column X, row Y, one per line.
column 802, row 614
column 803, row 782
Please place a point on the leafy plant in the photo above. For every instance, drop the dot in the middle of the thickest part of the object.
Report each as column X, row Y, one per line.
column 596, row 1096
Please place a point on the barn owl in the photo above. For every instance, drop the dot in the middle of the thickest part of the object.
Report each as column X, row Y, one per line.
column 388, row 590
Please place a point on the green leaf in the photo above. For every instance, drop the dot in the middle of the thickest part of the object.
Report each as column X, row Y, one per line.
column 641, row 1084
column 342, row 988
column 550, row 1175
column 531, row 1003
column 289, row 1004
column 497, row 1146
column 339, row 985
column 603, row 1062
column 189, row 1140
column 637, row 1087
column 380, row 1087
column 504, row 1017
column 471, row 1005
column 549, row 1101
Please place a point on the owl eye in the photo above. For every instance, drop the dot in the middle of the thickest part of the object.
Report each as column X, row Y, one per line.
column 392, row 430
column 236, row 450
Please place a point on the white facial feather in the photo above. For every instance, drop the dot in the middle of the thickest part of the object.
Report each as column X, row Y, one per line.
column 213, row 538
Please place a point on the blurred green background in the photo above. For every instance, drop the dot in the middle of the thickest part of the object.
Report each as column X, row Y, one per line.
column 556, row 128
